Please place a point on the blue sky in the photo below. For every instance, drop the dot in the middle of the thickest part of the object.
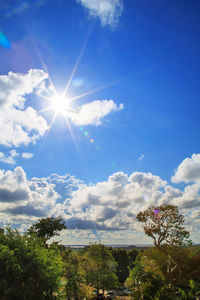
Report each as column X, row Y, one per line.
column 99, row 114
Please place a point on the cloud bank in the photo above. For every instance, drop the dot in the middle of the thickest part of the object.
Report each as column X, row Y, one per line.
column 101, row 208
column 108, row 11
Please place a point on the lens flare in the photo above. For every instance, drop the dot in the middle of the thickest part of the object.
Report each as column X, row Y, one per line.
column 156, row 211
column 4, row 41
column 144, row 197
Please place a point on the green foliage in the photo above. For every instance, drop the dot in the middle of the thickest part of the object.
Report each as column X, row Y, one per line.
column 125, row 260
column 144, row 280
column 165, row 272
column 174, row 263
column 100, row 267
column 194, row 254
column 122, row 259
column 28, row 269
column 164, row 225
column 74, row 274
column 132, row 254
column 47, row 227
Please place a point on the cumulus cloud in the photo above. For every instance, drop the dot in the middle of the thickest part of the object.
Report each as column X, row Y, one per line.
column 108, row 11
column 190, row 197
column 114, row 203
column 24, row 201
column 20, row 197
column 27, row 155
column 93, row 112
column 13, row 196
column 14, row 187
column 188, row 170
column 13, row 154
column 110, row 202
column 12, row 179
column 26, row 210
column 77, row 223
column 106, row 206
column 15, row 85
column 20, row 123
column 9, row 159
column 64, row 185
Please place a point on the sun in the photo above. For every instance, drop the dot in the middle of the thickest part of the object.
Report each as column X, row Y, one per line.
column 60, row 104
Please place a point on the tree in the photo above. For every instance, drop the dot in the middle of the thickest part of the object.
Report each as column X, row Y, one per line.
column 100, row 267
column 132, row 254
column 28, row 269
column 164, row 224
column 76, row 287
column 145, row 279
column 47, row 227
column 122, row 259
column 174, row 264
column 125, row 260
column 165, row 272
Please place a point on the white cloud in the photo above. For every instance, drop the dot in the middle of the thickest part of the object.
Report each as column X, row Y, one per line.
column 27, row 155
column 188, row 170
column 141, row 157
column 13, row 186
column 115, row 202
column 99, row 210
column 25, row 199
column 19, row 124
column 93, row 112
column 190, row 197
column 9, row 159
column 15, row 85
column 13, row 154
column 108, row 11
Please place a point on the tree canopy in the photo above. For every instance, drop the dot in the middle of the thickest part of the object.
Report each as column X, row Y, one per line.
column 125, row 260
column 100, row 267
column 47, row 227
column 166, row 272
column 164, row 224
column 75, row 274
column 28, row 269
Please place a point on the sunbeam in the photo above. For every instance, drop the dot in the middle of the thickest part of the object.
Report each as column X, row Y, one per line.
column 78, row 60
